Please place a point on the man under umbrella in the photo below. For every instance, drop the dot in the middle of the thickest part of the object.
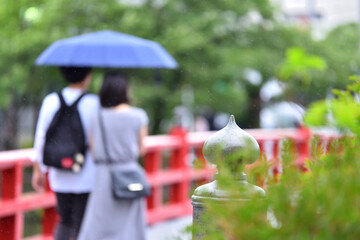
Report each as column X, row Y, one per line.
column 71, row 188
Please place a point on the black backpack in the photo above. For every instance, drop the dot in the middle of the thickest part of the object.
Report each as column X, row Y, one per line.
column 65, row 143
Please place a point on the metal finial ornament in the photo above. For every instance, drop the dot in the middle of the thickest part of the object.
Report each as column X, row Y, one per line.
column 233, row 148
column 231, row 140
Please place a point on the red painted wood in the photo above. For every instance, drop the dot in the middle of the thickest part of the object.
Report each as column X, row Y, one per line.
column 169, row 211
column 8, row 183
column 50, row 218
column 28, row 202
column 179, row 161
column 7, row 227
column 19, row 225
column 152, row 165
column 152, row 162
column 276, row 161
column 155, row 199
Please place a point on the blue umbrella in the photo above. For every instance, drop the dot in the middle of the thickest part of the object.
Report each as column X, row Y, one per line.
column 107, row 49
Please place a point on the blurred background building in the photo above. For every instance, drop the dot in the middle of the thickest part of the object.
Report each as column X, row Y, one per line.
column 321, row 15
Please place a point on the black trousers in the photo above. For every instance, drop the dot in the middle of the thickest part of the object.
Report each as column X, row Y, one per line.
column 71, row 208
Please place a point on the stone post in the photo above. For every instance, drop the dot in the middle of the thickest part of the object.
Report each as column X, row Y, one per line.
column 234, row 148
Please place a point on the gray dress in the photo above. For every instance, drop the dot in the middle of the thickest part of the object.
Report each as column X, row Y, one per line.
column 107, row 218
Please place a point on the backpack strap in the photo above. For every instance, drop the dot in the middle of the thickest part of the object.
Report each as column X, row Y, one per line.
column 61, row 98
column 62, row 101
column 78, row 100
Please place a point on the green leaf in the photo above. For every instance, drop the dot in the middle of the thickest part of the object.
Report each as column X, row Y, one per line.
column 300, row 64
column 316, row 114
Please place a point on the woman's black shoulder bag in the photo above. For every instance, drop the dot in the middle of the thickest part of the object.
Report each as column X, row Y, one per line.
column 125, row 183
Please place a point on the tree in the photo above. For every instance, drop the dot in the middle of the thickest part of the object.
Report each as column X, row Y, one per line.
column 213, row 42
column 191, row 31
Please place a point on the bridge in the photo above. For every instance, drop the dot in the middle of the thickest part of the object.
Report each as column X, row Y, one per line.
column 170, row 170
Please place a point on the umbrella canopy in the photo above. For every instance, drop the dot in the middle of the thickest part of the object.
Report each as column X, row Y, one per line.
column 106, row 49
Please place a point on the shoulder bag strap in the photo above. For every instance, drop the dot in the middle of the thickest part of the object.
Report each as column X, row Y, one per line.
column 103, row 137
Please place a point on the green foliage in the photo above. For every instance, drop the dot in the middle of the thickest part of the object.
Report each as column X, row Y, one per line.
column 298, row 64
column 195, row 33
column 322, row 203
column 319, row 204
column 342, row 112
column 213, row 42
column 340, row 52
column 317, row 114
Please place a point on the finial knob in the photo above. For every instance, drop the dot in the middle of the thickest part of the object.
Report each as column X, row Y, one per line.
column 231, row 145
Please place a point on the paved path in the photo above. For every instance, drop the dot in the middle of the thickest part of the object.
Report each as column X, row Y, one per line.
column 170, row 230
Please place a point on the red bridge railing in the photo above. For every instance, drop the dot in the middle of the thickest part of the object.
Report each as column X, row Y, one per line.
column 169, row 170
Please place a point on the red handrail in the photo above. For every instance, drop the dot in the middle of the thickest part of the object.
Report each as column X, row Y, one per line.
column 168, row 167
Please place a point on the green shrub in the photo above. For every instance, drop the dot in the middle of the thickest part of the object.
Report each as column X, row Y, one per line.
column 323, row 203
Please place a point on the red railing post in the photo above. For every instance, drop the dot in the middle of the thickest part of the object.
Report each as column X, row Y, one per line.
column 276, row 161
column 50, row 216
column 11, row 227
column 178, row 161
column 49, row 220
column 11, row 183
column 203, row 165
column 7, row 227
column 152, row 164
column 303, row 147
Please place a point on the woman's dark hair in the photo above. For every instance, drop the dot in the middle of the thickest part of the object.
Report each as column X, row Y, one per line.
column 114, row 89
column 75, row 74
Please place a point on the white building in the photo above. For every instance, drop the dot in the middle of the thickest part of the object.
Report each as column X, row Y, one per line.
column 321, row 15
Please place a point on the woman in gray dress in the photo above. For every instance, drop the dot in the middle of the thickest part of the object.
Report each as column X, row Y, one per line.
column 107, row 218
